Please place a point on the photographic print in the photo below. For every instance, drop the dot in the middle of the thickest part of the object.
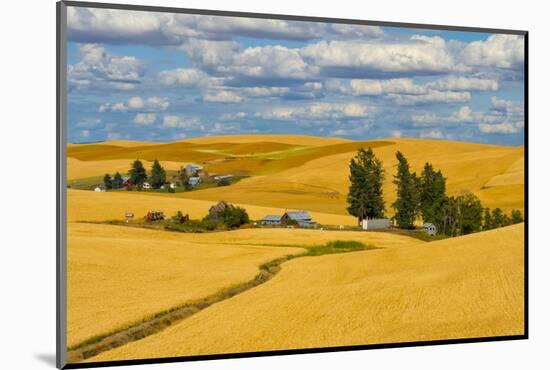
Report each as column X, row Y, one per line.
column 238, row 184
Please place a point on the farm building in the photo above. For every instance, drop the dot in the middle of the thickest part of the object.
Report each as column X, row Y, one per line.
column 223, row 177
column 273, row 220
column 430, row 228
column 192, row 169
column 127, row 182
column 375, row 223
column 215, row 213
column 194, row 181
column 100, row 189
column 301, row 218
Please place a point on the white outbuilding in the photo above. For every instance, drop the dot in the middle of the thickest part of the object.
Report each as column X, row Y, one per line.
column 376, row 223
column 430, row 228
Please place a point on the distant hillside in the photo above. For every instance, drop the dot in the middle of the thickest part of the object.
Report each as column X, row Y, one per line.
column 305, row 172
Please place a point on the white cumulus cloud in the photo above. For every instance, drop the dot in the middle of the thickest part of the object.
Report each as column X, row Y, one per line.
column 144, row 119
column 223, row 97
column 499, row 50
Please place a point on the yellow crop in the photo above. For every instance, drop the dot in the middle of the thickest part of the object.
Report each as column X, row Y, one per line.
column 119, row 275
column 470, row 286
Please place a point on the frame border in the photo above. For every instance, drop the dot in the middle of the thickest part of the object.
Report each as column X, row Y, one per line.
column 61, row 193
column 61, row 189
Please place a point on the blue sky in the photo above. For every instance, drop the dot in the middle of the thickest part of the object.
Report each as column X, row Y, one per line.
column 162, row 77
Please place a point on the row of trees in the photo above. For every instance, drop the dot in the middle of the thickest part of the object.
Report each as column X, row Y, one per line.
column 114, row 182
column 418, row 196
column 138, row 176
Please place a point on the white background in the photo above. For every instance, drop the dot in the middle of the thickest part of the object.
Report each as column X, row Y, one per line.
column 27, row 183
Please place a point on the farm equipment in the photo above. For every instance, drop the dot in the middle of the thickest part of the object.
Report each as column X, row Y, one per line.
column 154, row 216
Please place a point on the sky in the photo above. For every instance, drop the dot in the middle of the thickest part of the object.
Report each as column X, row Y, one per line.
column 151, row 76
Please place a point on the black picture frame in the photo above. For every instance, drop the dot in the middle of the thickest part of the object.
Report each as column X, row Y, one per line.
column 61, row 104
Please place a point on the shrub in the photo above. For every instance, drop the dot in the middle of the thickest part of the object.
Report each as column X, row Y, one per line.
column 209, row 225
column 234, row 217
column 224, row 182
column 345, row 244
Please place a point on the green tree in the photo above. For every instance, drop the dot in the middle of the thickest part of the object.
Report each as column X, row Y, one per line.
column 138, row 175
column 469, row 213
column 407, row 203
column 365, row 198
column 516, row 216
column 108, row 181
column 234, row 217
column 117, row 181
column 158, row 175
column 498, row 218
column 446, row 218
column 432, row 193
column 487, row 219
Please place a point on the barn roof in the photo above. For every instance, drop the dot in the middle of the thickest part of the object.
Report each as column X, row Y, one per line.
column 299, row 215
column 272, row 218
column 194, row 165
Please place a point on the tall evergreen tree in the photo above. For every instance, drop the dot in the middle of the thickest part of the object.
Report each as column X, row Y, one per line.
column 498, row 218
column 138, row 175
column 117, row 181
column 432, row 192
column 407, row 203
column 365, row 198
column 108, row 181
column 158, row 175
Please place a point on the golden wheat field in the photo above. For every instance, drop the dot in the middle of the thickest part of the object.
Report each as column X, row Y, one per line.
column 321, row 184
column 119, row 275
column 470, row 286
column 77, row 169
column 285, row 139
column 85, row 205
column 408, row 290
column 311, row 173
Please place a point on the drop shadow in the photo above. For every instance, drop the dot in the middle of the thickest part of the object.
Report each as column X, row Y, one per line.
column 47, row 358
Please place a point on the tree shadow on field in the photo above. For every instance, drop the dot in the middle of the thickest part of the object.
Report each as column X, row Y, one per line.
column 47, row 358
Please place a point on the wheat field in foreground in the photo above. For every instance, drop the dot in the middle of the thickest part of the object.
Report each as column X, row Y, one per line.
column 119, row 275
column 470, row 286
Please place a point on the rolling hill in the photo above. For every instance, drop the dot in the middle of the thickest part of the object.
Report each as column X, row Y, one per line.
column 300, row 172
column 464, row 287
